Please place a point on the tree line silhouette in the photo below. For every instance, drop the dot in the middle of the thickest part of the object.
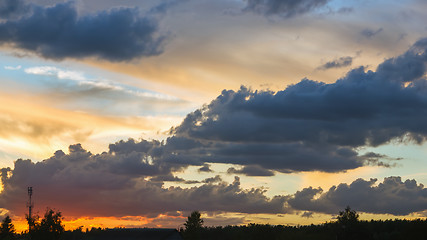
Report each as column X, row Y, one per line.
column 347, row 226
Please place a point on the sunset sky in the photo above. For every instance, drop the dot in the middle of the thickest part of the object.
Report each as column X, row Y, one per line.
column 134, row 113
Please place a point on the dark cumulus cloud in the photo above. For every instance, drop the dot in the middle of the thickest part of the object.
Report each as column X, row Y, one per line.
column 283, row 8
column 392, row 196
column 114, row 184
column 57, row 32
column 337, row 63
column 311, row 125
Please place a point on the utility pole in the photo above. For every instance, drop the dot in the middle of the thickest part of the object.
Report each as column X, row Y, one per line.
column 30, row 203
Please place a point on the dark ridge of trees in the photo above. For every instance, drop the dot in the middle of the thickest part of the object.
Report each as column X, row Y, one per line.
column 120, row 234
column 347, row 227
column 367, row 230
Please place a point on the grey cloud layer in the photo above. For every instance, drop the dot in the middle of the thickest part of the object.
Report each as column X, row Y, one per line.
column 115, row 184
column 283, row 8
column 58, row 32
column 284, row 157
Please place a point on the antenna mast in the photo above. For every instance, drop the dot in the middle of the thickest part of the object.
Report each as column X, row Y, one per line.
column 30, row 203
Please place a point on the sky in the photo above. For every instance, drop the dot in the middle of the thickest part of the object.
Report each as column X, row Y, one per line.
column 135, row 113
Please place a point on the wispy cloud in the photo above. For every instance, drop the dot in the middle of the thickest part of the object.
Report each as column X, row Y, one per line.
column 56, row 72
column 13, row 67
column 82, row 79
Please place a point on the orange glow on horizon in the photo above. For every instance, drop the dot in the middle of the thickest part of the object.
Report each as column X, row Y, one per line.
column 86, row 223
column 165, row 221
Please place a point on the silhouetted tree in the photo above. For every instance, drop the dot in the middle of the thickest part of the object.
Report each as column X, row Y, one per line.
column 7, row 230
column 33, row 223
column 348, row 224
column 193, row 221
column 193, row 225
column 49, row 228
column 348, row 216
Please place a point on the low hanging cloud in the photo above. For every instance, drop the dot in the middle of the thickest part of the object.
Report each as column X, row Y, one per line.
column 337, row 63
column 114, row 184
column 392, row 196
column 57, row 32
column 283, row 8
